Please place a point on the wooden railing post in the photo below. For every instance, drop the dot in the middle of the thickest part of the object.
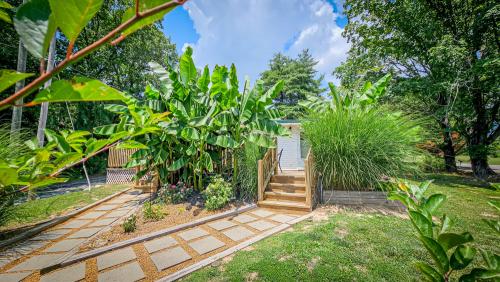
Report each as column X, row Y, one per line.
column 275, row 159
column 309, row 175
column 308, row 184
column 260, row 184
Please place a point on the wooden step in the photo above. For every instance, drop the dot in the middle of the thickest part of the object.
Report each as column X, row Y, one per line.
column 286, row 187
column 290, row 179
column 284, row 205
column 280, row 196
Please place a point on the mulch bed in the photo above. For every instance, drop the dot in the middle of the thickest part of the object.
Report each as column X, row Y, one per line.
column 175, row 214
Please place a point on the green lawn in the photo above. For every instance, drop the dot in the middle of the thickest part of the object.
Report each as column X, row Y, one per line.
column 357, row 246
column 37, row 210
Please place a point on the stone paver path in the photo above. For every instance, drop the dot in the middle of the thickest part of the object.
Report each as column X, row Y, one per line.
column 51, row 246
column 161, row 256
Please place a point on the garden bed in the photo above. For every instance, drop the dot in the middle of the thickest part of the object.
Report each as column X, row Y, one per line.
column 174, row 214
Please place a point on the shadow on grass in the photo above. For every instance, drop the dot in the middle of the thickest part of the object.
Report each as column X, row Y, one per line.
column 456, row 180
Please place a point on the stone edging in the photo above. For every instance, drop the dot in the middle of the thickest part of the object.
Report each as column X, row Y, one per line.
column 52, row 222
column 183, row 272
column 146, row 237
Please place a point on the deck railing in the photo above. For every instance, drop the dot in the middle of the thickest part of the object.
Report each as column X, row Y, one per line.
column 311, row 178
column 267, row 167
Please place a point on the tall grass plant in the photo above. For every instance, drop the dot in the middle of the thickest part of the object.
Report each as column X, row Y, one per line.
column 356, row 149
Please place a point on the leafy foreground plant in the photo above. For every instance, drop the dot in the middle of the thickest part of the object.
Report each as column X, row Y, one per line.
column 449, row 251
column 217, row 194
column 36, row 22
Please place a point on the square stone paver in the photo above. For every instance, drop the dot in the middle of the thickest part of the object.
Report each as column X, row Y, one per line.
column 193, row 234
column 238, row 233
column 37, row 262
column 283, row 218
column 85, row 233
column 160, row 244
column 7, row 258
column 51, row 235
column 121, row 200
column 92, row 215
column 114, row 258
column 206, row 245
column 126, row 208
column 106, row 207
column 223, row 224
column 262, row 213
column 69, row 274
column 116, row 214
column 168, row 258
column 13, row 277
column 261, row 225
column 103, row 222
column 244, row 218
column 130, row 272
column 77, row 223
column 64, row 245
column 29, row 246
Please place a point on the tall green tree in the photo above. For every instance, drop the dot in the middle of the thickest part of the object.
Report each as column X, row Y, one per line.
column 443, row 55
column 300, row 81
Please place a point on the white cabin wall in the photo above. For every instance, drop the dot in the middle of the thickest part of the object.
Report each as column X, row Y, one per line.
column 290, row 158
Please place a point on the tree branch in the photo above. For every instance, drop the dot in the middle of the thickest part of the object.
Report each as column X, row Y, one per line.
column 38, row 82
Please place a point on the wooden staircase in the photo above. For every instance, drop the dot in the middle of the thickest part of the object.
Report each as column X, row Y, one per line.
column 290, row 190
column 286, row 191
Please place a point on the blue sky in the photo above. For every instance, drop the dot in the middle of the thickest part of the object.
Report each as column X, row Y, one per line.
column 248, row 33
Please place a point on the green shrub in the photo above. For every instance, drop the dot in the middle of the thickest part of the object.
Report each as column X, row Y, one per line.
column 431, row 163
column 129, row 225
column 248, row 157
column 217, row 194
column 175, row 194
column 152, row 211
column 357, row 148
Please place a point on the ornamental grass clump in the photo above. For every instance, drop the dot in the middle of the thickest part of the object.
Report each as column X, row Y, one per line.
column 355, row 149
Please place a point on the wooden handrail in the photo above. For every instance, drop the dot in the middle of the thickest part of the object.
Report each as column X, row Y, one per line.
column 267, row 167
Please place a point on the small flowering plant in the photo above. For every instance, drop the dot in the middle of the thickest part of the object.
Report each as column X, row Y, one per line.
column 175, row 193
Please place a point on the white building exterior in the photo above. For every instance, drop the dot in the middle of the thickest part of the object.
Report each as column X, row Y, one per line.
column 294, row 149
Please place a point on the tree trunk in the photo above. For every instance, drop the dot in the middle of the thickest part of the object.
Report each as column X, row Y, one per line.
column 447, row 147
column 42, row 122
column 17, row 110
column 478, row 143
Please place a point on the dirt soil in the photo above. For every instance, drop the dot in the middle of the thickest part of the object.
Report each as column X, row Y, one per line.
column 174, row 215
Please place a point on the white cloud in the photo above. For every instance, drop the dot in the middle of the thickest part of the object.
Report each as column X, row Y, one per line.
column 249, row 32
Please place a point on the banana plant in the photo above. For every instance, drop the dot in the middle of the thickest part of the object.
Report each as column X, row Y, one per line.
column 450, row 252
column 364, row 99
column 252, row 119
